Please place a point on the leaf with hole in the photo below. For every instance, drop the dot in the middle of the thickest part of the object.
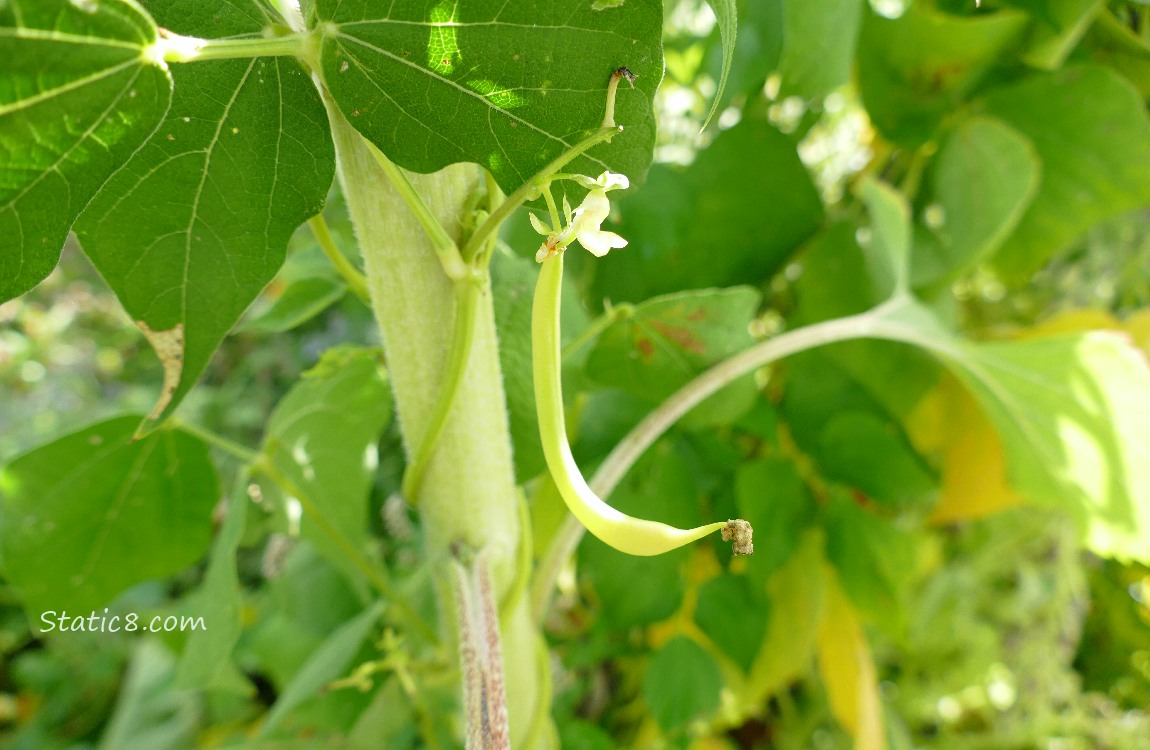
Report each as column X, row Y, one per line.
column 196, row 223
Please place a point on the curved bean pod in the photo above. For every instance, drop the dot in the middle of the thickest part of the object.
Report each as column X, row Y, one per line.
column 634, row 536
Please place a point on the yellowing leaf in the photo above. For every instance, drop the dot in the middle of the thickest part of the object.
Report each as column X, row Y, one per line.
column 796, row 594
column 847, row 669
column 950, row 423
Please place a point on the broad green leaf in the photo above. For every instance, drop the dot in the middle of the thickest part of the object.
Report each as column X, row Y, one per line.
column 196, row 223
column 733, row 217
column 681, row 683
column 870, row 453
column 732, row 611
column 819, row 41
column 1076, row 111
column 668, row 340
column 207, row 651
column 888, row 251
column 581, row 735
column 95, row 512
column 848, row 671
column 509, row 86
column 874, row 560
column 1059, row 25
column 79, row 94
column 918, row 68
column 150, row 714
column 771, row 495
column 1112, row 43
column 727, row 17
column 301, row 301
column 322, row 437
column 985, row 176
column 328, row 662
column 1073, row 413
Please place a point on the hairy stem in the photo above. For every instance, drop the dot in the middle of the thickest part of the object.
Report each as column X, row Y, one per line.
column 463, row 333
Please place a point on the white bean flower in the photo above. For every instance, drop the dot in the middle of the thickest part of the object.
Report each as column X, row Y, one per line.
column 585, row 222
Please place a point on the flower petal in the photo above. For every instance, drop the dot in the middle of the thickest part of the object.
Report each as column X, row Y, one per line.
column 613, row 181
column 599, row 242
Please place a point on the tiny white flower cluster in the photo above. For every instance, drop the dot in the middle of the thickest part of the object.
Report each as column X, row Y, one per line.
column 585, row 222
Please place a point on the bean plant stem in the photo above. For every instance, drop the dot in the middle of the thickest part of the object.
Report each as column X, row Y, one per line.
column 175, row 48
column 445, row 247
column 467, row 295
column 232, row 448
column 355, row 280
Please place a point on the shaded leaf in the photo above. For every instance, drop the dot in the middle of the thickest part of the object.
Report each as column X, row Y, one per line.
column 498, row 84
column 771, row 495
column 819, row 41
column 300, row 302
column 95, row 512
column 732, row 611
column 918, row 68
column 796, row 592
column 733, row 217
column 682, row 683
column 1059, row 26
column 218, row 601
column 1081, row 110
column 888, row 250
column 322, row 436
column 78, row 95
column 325, row 664
column 150, row 714
column 870, row 452
column 985, row 176
column 874, row 560
column 666, row 341
column 197, row 222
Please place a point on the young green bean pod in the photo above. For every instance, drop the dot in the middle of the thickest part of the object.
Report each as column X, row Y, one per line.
column 634, row 536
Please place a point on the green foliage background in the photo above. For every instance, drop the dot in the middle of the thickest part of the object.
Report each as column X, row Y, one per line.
column 1015, row 144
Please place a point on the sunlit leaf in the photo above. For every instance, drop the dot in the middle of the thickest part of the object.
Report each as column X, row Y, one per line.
column 509, row 86
column 79, row 93
column 1060, row 25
